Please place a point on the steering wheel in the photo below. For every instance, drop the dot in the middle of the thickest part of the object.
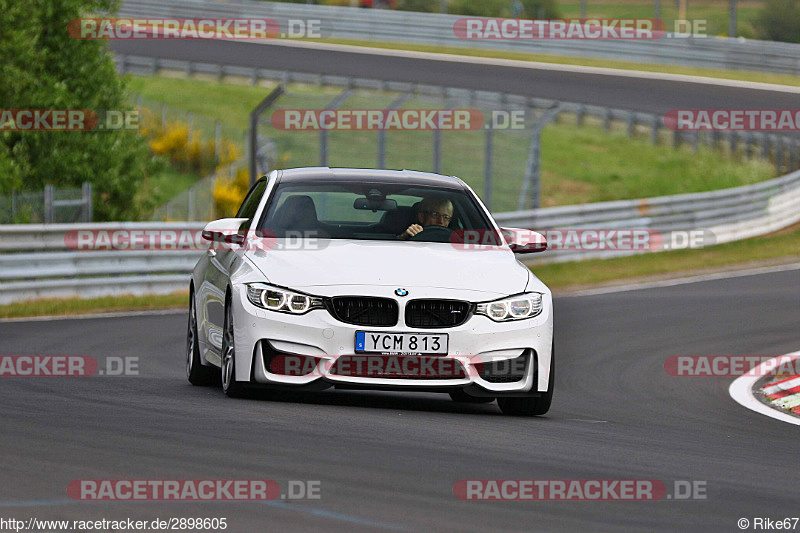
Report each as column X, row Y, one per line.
column 433, row 233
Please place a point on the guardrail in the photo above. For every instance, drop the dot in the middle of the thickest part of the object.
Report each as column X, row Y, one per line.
column 437, row 29
column 37, row 264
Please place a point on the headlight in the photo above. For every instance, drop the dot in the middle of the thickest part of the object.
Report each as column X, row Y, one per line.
column 512, row 308
column 282, row 300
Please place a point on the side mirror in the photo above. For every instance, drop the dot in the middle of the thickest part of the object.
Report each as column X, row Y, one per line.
column 524, row 241
column 224, row 230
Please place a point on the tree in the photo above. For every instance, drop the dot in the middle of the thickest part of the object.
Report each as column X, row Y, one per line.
column 42, row 67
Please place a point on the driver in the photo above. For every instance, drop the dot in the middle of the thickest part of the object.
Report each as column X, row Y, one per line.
column 432, row 212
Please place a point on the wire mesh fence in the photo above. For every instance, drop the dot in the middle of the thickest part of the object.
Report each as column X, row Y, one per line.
column 50, row 206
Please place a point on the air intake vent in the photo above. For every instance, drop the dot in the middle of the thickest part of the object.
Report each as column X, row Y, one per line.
column 364, row 310
column 505, row 371
column 437, row 313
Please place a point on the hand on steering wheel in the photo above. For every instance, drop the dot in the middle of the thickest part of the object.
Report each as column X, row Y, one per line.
column 433, row 233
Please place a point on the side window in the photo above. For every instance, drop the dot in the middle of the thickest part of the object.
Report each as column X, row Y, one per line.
column 250, row 204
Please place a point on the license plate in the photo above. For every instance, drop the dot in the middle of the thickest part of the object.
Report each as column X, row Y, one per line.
column 401, row 343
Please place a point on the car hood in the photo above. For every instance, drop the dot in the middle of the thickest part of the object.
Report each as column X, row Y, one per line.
column 396, row 264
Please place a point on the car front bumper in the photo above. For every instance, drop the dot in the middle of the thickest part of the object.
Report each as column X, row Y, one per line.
column 260, row 334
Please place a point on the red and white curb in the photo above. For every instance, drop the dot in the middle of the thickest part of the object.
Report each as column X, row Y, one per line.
column 783, row 394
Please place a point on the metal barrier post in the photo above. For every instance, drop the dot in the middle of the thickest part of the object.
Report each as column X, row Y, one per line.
column 487, row 179
column 86, row 199
column 265, row 104
column 323, row 133
column 382, row 132
column 48, row 204
column 532, row 179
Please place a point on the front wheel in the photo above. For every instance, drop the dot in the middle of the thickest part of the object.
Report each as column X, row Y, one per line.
column 195, row 371
column 531, row 406
column 231, row 387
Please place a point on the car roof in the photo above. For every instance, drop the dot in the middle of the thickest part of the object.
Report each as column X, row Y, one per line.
column 369, row 175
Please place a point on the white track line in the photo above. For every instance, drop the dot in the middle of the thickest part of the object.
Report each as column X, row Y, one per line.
column 741, row 390
column 535, row 65
column 678, row 281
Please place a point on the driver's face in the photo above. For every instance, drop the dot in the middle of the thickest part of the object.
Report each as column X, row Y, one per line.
column 438, row 216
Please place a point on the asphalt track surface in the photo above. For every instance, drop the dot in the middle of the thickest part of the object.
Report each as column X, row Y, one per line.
column 388, row 461
column 623, row 92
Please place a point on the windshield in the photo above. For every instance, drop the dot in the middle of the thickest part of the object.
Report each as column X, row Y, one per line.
column 371, row 211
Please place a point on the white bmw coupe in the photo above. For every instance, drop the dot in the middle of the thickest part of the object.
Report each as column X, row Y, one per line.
column 371, row 279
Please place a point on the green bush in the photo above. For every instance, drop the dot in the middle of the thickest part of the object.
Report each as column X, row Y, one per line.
column 42, row 67
column 779, row 20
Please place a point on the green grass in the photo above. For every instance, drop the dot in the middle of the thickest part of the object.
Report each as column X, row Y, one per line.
column 580, row 164
column 160, row 188
column 716, row 12
column 77, row 306
column 780, row 246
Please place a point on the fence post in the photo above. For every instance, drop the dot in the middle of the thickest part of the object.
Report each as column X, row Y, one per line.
column 795, row 155
column 532, row 179
column 382, row 133
column 190, row 208
column 437, row 151
column 252, row 134
column 487, row 179
column 631, row 123
column 48, row 204
column 607, row 119
column 580, row 114
column 323, row 133
column 654, row 132
column 86, row 198
column 217, row 140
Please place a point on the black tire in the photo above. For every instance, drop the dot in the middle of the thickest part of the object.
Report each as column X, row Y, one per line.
column 195, row 371
column 231, row 387
column 462, row 397
column 531, row 406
